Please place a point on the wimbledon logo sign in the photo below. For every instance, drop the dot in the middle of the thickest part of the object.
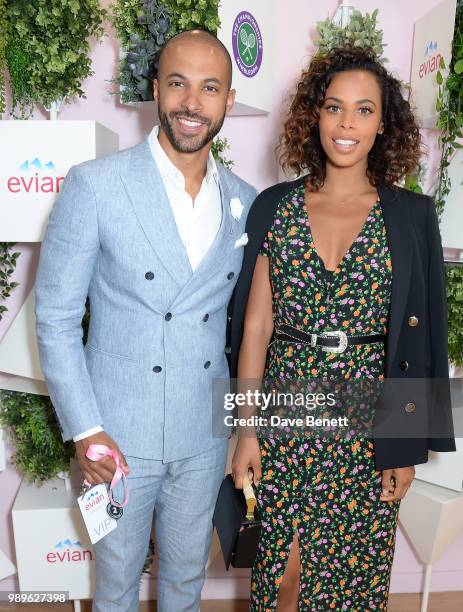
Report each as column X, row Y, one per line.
column 247, row 44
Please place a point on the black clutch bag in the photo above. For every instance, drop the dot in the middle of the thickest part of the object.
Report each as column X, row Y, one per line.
column 238, row 524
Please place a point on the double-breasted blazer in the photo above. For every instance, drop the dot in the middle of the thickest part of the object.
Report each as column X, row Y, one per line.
column 157, row 331
column 416, row 345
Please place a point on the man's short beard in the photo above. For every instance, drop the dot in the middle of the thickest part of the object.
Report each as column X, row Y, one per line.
column 187, row 144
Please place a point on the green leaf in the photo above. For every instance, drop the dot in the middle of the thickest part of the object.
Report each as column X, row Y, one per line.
column 48, row 55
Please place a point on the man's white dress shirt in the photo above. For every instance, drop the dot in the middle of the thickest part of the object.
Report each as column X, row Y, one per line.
column 198, row 221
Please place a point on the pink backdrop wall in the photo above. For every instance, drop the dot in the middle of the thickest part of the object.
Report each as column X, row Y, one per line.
column 253, row 140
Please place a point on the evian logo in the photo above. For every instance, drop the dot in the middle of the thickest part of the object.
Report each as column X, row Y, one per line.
column 35, row 177
column 431, row 60
column 69, row 552
column 92, row 500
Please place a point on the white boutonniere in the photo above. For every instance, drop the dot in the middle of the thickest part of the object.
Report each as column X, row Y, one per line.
column 236, row 208
column 241, row 242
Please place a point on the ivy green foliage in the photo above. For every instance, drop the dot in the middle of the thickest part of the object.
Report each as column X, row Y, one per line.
column 7, row 267
column 454, row 282
column 47, row 52
column 22, row 91
column 361, row 31
column 412, row 183
column 219, row 146
column 124, row 15
column 449, row 106
column 2, row 53
column 189, row 14
column 40, row 453
column 143, row 26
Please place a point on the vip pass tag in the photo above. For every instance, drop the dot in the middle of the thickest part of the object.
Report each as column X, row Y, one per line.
column 93, row 503
column 114, row 509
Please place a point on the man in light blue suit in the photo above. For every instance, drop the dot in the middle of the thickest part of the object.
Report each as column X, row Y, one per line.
column 154, row 235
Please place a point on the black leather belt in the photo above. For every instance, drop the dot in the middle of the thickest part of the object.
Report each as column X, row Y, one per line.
column 331, row 341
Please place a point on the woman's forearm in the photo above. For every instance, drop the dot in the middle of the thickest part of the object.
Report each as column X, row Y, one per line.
column 253, row 354
column 251, row 368
column 258, row 329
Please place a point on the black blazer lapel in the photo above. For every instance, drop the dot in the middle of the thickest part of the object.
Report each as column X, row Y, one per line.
column 397, row 220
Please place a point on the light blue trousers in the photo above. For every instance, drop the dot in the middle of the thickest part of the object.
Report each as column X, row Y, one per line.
column 183, row 495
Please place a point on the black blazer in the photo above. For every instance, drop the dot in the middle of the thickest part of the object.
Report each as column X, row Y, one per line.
column 416, row 346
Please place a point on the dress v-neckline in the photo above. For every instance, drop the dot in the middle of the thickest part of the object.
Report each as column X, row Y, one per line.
column 343, row 258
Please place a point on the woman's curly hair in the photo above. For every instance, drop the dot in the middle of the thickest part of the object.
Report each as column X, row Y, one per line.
column 394, row 154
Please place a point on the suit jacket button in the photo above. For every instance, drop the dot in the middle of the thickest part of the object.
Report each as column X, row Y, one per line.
column 168, row 316
column 228, row 350
column 403, row 365
column 230, row 275
column 410, row 407
column 157, row 369
column 207, row 365
column 413, row 321
column 206, row 318
column 149, row 276
column 229, row 318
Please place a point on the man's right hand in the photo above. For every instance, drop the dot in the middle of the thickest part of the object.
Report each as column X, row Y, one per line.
column 97, row 472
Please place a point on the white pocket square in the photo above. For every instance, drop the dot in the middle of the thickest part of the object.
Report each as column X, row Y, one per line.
column 241, row 242
column 236, row 208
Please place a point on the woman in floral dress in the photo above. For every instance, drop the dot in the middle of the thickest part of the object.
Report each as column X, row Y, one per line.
column 329, row 515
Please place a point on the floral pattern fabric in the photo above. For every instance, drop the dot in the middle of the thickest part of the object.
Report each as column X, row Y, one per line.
column 324, row 489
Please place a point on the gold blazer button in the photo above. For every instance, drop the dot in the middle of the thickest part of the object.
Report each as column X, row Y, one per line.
column 413, row 321
column 410, row 407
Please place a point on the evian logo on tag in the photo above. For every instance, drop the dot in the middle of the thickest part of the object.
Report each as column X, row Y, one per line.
column 35, row 177
column 69, row 552
column 431, row 60
column 92, row 500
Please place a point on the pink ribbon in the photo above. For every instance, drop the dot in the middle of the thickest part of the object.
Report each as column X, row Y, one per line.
column 96, row 452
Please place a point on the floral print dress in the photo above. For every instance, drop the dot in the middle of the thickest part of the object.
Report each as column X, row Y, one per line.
column 324, row 489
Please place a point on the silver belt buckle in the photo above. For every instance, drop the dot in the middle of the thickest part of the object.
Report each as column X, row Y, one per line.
column 342, row 341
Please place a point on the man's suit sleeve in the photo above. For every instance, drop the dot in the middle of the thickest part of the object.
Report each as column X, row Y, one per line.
column 67, row 258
